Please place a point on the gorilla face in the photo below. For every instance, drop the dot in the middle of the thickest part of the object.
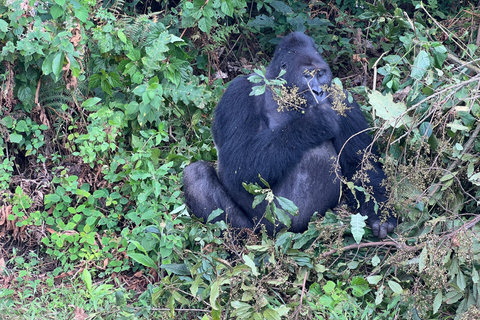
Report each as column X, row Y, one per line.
column 304, row 66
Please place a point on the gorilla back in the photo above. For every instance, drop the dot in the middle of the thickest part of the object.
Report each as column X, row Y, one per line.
column 293, row 150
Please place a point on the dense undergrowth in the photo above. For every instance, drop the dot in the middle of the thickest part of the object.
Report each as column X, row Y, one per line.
column 104, row 104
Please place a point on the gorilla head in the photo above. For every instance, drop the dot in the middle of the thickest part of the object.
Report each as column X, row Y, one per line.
column 304, row 66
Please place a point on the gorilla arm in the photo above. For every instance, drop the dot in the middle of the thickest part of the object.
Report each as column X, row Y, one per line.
column 354, row 145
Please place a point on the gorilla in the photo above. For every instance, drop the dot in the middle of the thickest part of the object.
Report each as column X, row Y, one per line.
column 293, row 150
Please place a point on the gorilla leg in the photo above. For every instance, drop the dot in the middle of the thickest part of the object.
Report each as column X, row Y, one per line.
column 204, row 193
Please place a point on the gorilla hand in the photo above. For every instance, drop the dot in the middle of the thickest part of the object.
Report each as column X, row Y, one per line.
column 381, row 229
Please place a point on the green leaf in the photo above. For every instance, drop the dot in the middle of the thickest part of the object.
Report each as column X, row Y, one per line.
column 374, row 279
column 420, row 65
column 177, row 268
column 142, row 259
column 287, row 205
column 393, row 113
column 227, row 7
column 422, row 261
column 461, row 282
column 57, row 64
column 25, row 94
column 87, row 279
column 21, row 126
column 258, row 199
column 91, row 102
column 358, row 224
column 395, row 286
column 281, row 6
column 214, row 293
column 3, row 26
column 249, row 262
column 329, row 287
column 271, row 314
column 56, row 12
column 282, row 216
column 475, row 277
column 82, row 14
column 375, row 261
column 215, row 213
column 205, row 24
column 122, row 36
column 437, row 302
column 439, row 55
column 379, row 295
column 15, row 138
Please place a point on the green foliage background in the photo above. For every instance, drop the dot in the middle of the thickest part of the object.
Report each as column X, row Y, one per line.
column 104, row 104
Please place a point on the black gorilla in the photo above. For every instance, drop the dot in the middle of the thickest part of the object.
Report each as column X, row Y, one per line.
column 294, row 150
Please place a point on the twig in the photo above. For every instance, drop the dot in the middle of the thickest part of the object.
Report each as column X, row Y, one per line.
column 397, row 245
column 365, row 245
column 301, row 297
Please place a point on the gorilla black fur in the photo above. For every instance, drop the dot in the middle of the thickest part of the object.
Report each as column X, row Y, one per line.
column 294, row 151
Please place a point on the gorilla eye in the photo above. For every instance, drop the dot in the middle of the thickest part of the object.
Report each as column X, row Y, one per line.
column 320, row 73
column 283, row 66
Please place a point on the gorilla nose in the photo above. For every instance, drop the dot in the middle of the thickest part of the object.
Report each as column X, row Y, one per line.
column 319, row 94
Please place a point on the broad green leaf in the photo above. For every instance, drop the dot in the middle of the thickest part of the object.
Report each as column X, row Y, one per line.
column 258, row 199
column 475, row 277
column 439, row 55
column 437, row 302
column 21, row 126
column 3, row 26
column 15, row 138
column 420, row 65
column 395, row 286
column 214, row 293
column 227, row 7
column 215, row 213
column 195, row 284
column 57, row 64
column 375, row 261
column 393, row 113
column 422, row 261
column 91, row 102
column 358, row 224
column 142, row 259
column 56, row 11
column 288, row 205
column 25, row 94
column 177, row 268
column 455, row 126
column 374, row 279
column 379, row 295
column 179, row 298
column 82, row 14
column 249, row 262
column 282, row 216
column 87, row 279
column 122, row 36
column 281, row 6
column 329, row 287
column 461, row 282
column 271, row 314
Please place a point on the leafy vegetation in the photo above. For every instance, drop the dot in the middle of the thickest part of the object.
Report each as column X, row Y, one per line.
column 103, row 107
